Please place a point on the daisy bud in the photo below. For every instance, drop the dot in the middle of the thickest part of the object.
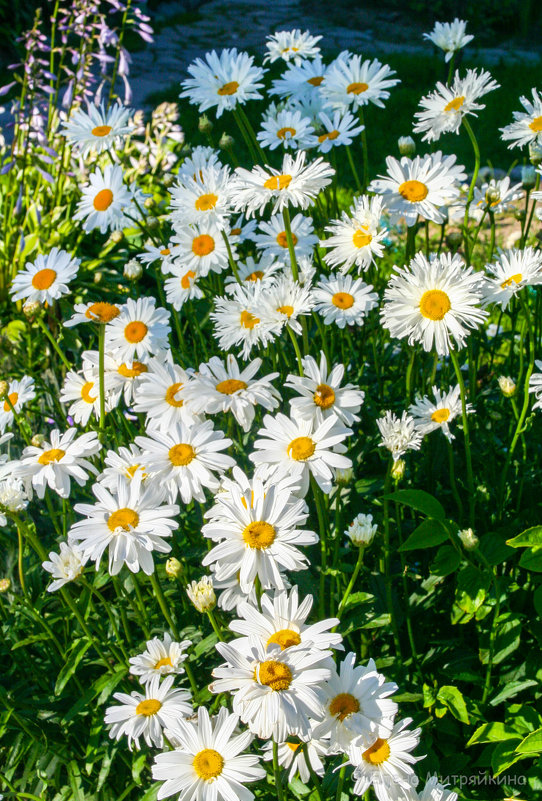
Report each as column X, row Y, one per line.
column 519, row 215
column 226, row 141
column 37, row 440
column 5, row 584
column 168, row 180
column 133, row 270
column 4, row 389
column 98, row 276
column 153, row 222
column 361, row 530
column 469, row 539
column 202, row 594
column 173, row 568
column 398, row 470
column 535, row 153
column 493, row 195
column 528, row 176
column 31, row 309
column 205, row 126
column 116, row 237
column 343, row 476
column 454, row 240
column 507, row 386
column 407, row 146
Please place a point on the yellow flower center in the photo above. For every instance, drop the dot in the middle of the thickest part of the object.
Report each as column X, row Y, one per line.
column 293, row 746
column 455, row 104
column 103, row 200
column 361, row 239
column 287, row 310
column 324, row 397
column 356, row 88
column 257, row 275
column 102, row 312
column 316, row 81
column 131, row 471
column 259, row 535
column 249, row 320
column 282, row 132
column 285, row 638
column 187, row 277
column 208, row 764
column 274, row 674
column 148, row 707
column 203, row 245
column 85, row 392
column 301, row 448
column 53, row 455
column 230, row 386
column 536, row 125
column 282, row 239
column 122, row 518
column 514, row 279
column 43, row 278
column 435, row 304
column 278, row 182
column 132, row 372
column 135, row 331
column 343, row 300
column 331, row 135
column 101, row 130
column 170, row 395
column 206, row 202
column 13, row 398
column 165, row 252
column 343, row 705
column 377, row 753
column 440, row 415
column 163, row 662
column 181, row 454
column 413, row 191
column 229, row 88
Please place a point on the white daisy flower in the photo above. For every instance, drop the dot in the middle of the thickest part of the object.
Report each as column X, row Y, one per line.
column 262, row 272
column 164, row 253
column 513, row 270
column 386, row 762
column 98, row 128
column 200, row 248
column 125, row 463
column 419, row 186
column 161, row 658
column 19, row 392
column 202, row 199
column 352, row 83
column 13, row 492
column 449, row 36
column 238, row 320
column 184, row 459
column 311, row 106
column 83, row 389
column 222, row 387
column 222, row 81
column 299, row 448
column 231, row 594
column 161, row 395
column 121, row 377
column 399, row 435
column 296, row 184
column 202, row 594
column 95, row 311
column 106, row 201
column 433, row 302
column 355, row 238
column 300, row 80
column 274, row 692
column 139, row 331
column 46, row 279
column 443, row 110
column 496, row 196
column 201, row 158
column 293, row 45
column 430, row 415
column 130, row 522
column 285, row 301
column 257, row 530
column 206, row 762
column 434, row 791
column 321, row 394
column 527, row 125
column 292, row 757
column 182, row 287
column 242, row 230
column 286, row 127
column 343, row 300
column 147, row 715
column 535, row 385
column 356, row 703
column 271, row 237
column 59, row 460
column 65, row 566
column 339, row 130
column 361, row 530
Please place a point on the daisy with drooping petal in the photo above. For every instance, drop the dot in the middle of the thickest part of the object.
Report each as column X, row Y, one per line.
column 496, row 196
column 449, row 36
column 339, row 130
column 293, row 45
column 148, row 714
column 241, row 230
column 161, row 658
column 430, row 415
column 238, row 321
column 513, row 270
column 130, row 522
column 399, row 435
column 343, row 300
column 202, row 199
column 433, row 302
column 19, row 392
column 527, row 125
column 59, row 460
column 125, row 463
column 296, row 184
column 207, row 762
column 293, row 758
column 301, row 448
column 222, row 81
column 65, row 566
column 98, row 128
column 272, row 239
column 285, row 301
column 355, row 238
column 46, row 279
column 300, row 80
column 201, row 249
column 321, row 393
column 140, row 330
column 443, row 110
column 275, row 692
column 161, row 394
column 105, row 201
column 97, row 312
column 286, row 127
column 352, row 83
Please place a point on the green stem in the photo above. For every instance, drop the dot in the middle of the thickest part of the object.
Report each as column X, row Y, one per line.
column 101, row 372
column 289, row 238
column 215, row 624
column 470, row 195
column 53, row 342
column 20, row 559
column 357, row 568
column 466, row 436
column 492, row 641
column 297, row 351
column 353, row 168
column 365, row 151
column 314, row 778
column 387, row 564
column 277, row 773
column 323, row 543
column 163, row 604
column 340, row 783
column 231, row 260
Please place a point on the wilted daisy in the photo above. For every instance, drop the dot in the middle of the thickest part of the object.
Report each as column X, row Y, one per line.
column 352, row 82
column 286, row 128
column 274, row 691
column 206, row 762
column 419, row 186
column 296, row 184
column 433, row 302
column 125, row 463
column 238, row 320
column 46, row 279
column 293, row 45
column 361, row 530
column 161, row 394
column 202, row 594
column 449, row 36
column 148, row 714
column 161, row 658
column 443, row 110
column 343, row 300
column 321, row 394
column 513, row 270
column 19, row 392
column 527, row 125
column 299, row 81
column 181, row 287
column 105, row 201
column 222, row 81
column 293, row 757
column 139, row 331
column 65, row 566
column 130, row 522
column 202, row 199
column 355, row 238
column 98, row 128
column 430, row 415
column 496, row 196
column 272, row 239
column 399, row 434
column 341, row 129
column 201, row 249
column 58, row 460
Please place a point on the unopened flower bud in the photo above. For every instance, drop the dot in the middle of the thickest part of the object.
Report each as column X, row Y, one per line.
column 202, row 594
column 4, row 389
column 5, row 584
column 535, row 153
column 454, row 240
column 361, row 530
column 168, row 179
column 469, row 539
column 398, row 470
column 31, row 309
column 407, row 146
column 519, row 214
column 173, row 567
column 116, row 237
column 205, row 126
column 493, row 195
column 528, row 176
column 133, row 270
column 344, row 476
column 226, row 141
column 37, row 440
column 507, row 386
column 98, row 277
column 148, row 202
column 153, row 222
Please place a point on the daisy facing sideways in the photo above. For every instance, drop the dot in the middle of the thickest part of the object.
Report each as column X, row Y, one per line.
column 46, row 279
column 65, row 566
column 161, row 658
column 293, row 755
column 430, row 415
column 19, row 392
column 513, row 270
column 399, row 434
column 351, row 82
column 527, row 125
column 293, row 45
column 449, row 36
column 320, row 393
column 97, row 128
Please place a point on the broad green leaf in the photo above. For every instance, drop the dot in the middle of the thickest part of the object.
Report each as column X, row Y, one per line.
column 527, row 539
column 504, row 756
column 532, row 560
column 494, row 548
column 419, row 500
column 446, row 561
column 507, row 638
column 537, row 600
column 428, row 534
column 493, row 733
column 358, row 598
column 377, row 622
column 77, row 652
column 472, row 586
column 512, row 689
column 453, row 699
column 531, row 744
